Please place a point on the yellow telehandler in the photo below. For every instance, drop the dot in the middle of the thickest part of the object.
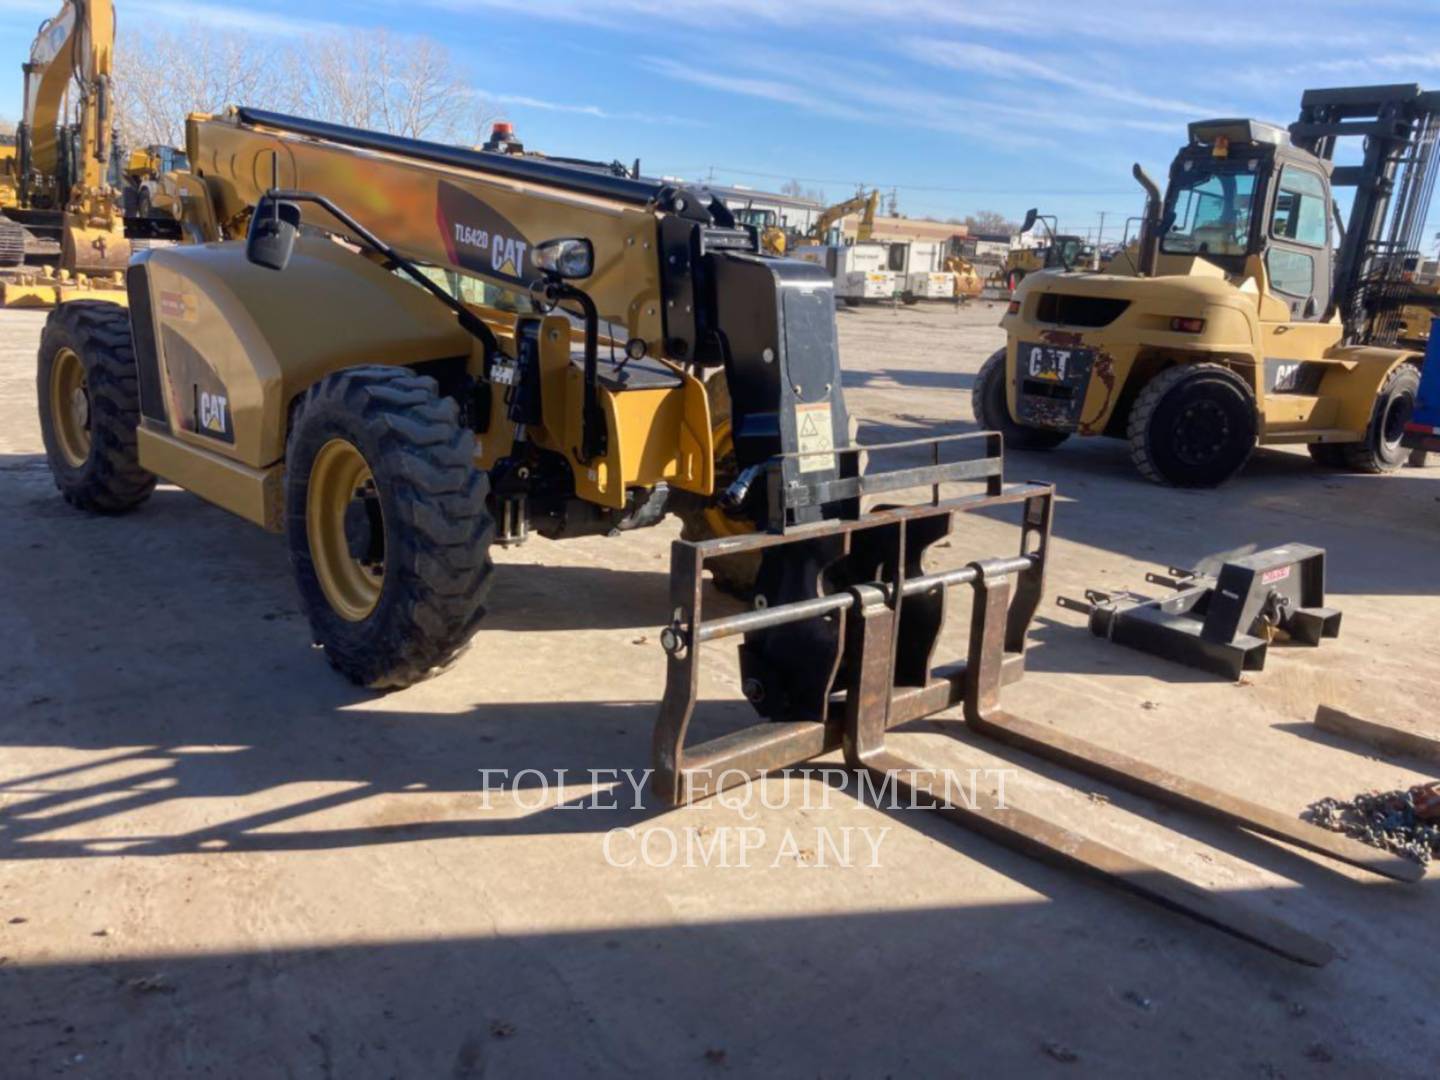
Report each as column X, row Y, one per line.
column 1256, row 315
column 323, row 365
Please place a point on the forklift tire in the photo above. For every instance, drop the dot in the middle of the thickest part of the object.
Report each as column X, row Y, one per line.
column 387, row 524
column 87, row 387
column 992, row 413
column 1381, row 450
column 1194, row 425
column 1327, row 455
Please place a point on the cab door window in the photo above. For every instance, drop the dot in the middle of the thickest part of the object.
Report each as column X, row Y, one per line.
column 1291, row 272
column 1301, row 215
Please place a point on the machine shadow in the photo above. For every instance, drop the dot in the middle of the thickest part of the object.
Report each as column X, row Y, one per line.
column 1015, row 992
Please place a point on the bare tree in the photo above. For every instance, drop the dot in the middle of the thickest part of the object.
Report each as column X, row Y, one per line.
column 796, row 190
column 373, row 79
column 7, row 126
column 162, row 76
column 990, row 222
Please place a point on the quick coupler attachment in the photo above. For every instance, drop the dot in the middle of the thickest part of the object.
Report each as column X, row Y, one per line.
column 1222, row 623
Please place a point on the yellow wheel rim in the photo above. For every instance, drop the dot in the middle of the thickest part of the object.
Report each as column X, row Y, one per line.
column 719, row 522
column 349, row 564
column 70, row 407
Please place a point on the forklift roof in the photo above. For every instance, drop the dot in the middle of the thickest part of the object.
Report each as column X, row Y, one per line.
column 1205, row 132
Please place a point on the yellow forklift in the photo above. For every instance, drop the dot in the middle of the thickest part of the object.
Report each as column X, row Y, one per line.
column 1257, row 315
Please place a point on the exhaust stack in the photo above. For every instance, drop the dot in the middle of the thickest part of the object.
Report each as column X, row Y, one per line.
column 1150, row 224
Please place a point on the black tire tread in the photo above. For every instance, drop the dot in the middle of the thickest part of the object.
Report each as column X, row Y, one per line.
column 1138, row 422
column 112, row 481
column 442, row 561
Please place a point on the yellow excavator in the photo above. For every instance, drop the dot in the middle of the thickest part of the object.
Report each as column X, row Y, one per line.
column 316, row 367
column 64, row 145
column 864, row 205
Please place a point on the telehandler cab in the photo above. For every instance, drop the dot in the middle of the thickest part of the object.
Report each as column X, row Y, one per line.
column 1256, row 316
column 413, row 342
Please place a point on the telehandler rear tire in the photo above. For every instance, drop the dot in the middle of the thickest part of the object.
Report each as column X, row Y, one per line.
column 387, row 524
column 1194, row 425
column 992, row 413
column 87, row 386
column 1381, row 450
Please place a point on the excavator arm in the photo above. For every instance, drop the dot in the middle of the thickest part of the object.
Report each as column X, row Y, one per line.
column 75, row 47
column 865, row 203
column 64, row 136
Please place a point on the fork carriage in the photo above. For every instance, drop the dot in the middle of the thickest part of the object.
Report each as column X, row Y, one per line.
column 840, row 648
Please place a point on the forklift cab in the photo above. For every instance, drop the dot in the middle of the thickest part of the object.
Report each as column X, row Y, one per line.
column 1240, row 189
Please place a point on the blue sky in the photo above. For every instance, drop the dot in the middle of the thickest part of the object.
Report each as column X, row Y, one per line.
column 960, row 105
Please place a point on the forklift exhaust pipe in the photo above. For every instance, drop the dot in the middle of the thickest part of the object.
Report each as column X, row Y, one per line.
column 1150, row 226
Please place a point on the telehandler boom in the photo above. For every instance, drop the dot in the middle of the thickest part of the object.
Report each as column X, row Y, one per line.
column 383, row 347
column 1256, row 317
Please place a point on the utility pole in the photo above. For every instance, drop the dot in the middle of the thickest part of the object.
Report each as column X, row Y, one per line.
column 1100, row 237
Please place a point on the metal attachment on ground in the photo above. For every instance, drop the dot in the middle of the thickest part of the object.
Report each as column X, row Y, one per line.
column 1222, row 623
column 844, row 651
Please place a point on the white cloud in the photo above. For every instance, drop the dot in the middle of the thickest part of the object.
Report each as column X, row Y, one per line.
column 1002, row 64
column 251, row 20
column 526, row 102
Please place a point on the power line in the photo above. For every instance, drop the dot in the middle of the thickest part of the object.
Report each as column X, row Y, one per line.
column 711, row 169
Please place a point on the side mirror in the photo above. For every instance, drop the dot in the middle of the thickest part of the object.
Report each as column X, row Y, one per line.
column 568, row 257
column 1030, row 216
column 273, row 229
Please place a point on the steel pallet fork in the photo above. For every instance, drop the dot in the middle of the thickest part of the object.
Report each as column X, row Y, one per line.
column 842, row 652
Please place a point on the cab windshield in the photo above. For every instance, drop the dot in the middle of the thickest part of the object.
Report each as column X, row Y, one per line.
column 1208, row 212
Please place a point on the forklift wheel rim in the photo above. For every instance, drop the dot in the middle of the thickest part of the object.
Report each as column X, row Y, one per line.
column 1398, row 411
column 70, row 407
column 351, row 587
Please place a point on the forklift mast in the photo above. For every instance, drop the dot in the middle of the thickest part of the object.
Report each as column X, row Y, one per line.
column 1393, row 184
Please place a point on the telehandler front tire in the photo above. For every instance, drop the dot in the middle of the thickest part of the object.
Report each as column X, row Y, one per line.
column 1194, row 425
column 387, row 524
column 987, row 402
column 1381, row 450
column 87, row 386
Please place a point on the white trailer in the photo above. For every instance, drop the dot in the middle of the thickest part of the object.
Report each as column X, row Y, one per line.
column 860, row 271
column 919, row 267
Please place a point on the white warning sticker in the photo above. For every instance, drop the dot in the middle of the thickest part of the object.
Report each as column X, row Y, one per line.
column 816, row 437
